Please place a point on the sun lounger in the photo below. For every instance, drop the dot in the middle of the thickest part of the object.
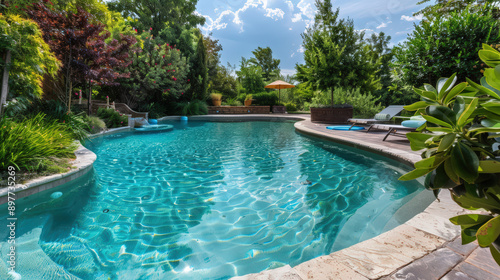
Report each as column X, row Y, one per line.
column 392, row 128
column 384, row 116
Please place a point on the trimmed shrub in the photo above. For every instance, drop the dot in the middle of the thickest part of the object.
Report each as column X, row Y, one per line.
column 291, row 107
column 112, row 118
column 265, row 99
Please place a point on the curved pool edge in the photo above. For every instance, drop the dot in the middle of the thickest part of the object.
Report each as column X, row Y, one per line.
column 387, row 253
column 82, row 165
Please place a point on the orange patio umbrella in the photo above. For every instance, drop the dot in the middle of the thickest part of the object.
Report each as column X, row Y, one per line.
column 279, row 85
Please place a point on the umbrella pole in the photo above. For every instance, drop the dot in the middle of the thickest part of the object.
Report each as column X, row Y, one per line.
column 279, row 94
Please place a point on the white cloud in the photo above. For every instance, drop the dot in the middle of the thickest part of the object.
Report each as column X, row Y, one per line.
column 297, row 17
column 307, row 12
column 290, row 5
column 290, row 72
column 384, row 24
column 366, row 30
column 290, row 28
column 408, row 18
column 301, row 49
column 275, row 13
column 221, row 22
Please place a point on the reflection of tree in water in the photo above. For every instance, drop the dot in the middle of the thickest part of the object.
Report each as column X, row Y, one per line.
column 145, row 198
column 264, row 153
column 334, row 194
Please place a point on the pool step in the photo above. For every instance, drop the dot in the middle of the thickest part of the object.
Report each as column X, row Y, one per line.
column 32, row 262
column 73, row 255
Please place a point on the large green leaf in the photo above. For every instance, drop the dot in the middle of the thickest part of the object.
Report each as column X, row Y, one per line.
column 485, row 84
column 440, row 129
column 490, row 123
column 417, row 173
column 483, row 90
column 488, row 232
column 430, row 163
column 428, row 87
column 465, row 162
column 417, row 140
column 495, row 253
column 444, row 86
column 489, row 166
column 491, row 58
column 469, row 220
column 462, row 120
column 450, row 172
column 446, row 142
column 442, row 113
column 437, row 121
column 417, row 105
column 454, row 92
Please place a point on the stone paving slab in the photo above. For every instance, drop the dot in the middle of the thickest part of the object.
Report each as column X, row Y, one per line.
column 476, row 272
column 464, row 250
column 387, row 252
column 432, row 266
column 436, row 225
column 282, row 273
column 481, row 257
column 457, row 275
column 326, row 268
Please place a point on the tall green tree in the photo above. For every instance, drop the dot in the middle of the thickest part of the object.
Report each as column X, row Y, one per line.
column 25, row 57
column 380, row 51
column 443, row 46
column 269, row 65
column 250, row 76
column 446, row 7
column 199, row 72
column 224, row 82
column 155, row 15
column 335, row 54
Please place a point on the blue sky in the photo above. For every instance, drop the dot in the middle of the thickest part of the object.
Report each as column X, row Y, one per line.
column 243, row 25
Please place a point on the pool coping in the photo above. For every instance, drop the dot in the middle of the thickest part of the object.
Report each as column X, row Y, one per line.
column 371, row 259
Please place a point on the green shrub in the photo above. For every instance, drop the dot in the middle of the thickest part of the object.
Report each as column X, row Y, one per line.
column 291, row 107
column 28, row 107
column 28, row 144
column 112, row 118
column 195, row 107
column 232, row 102
column 265, row 99
column 364, row 105
column 96, row 125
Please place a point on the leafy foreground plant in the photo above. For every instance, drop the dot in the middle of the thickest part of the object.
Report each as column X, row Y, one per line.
column 32, row 143
column 460, row 143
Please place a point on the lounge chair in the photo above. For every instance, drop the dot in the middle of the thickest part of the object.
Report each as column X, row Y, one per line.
column 409, row 125
column 384, row 116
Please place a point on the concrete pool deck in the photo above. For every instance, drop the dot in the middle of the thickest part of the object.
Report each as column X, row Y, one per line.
column 427, row 246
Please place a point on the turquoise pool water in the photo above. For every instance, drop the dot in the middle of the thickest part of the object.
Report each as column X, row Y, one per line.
column 208, row 201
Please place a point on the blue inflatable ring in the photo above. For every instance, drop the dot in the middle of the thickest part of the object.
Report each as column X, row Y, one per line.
column 344, row 127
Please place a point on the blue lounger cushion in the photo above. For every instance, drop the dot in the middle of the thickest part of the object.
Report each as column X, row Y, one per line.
column 413, row 123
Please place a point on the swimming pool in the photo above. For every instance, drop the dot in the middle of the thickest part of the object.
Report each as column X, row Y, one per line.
column 210, row 201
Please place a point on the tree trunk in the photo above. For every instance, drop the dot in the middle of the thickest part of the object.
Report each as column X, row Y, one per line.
column 89, row 98
column 332, row 96
column 5, row 81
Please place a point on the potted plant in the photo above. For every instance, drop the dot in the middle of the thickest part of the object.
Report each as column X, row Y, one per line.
column 216, row 99
column 248, row 100
column 460, row 144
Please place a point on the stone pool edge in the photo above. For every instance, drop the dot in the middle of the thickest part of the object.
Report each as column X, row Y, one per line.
column 82, row 165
